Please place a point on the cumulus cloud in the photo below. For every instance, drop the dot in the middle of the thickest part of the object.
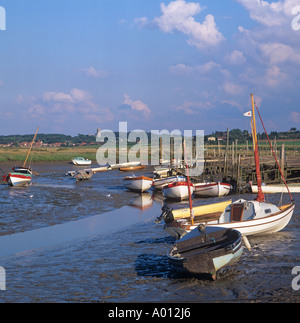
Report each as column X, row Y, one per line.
column 74, row 96
column 278, row 53
column 194, row 107
column 275, row 76
column 232, row 88
column 274, row 13
column 187, row 69
column 295, row 116
column 93, row 73
column 179, row 15
column 137, row 105
column 60, row 107
column 236, row 58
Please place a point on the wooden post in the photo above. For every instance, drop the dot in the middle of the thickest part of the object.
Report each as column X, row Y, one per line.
column 282, row 159
column 238, row 173
column 160, row 151
column 226, row 155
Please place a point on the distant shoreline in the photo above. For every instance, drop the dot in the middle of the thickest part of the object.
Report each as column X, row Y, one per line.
column 47, row 154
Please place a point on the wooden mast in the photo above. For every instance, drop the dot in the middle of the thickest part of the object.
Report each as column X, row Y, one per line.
column 189, row 187
column 260, row 195
column 30, row 146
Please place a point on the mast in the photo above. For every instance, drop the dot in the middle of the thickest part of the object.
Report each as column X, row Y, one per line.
column 260, row 195
column 189, row 187
column 30, row 146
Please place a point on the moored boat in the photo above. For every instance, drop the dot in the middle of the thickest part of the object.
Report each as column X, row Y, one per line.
column 177, row 190
column 206, row 251
column 279, row 188
column 212, row 189
column 138, row 183
column 83, row 174
column 132, row 168
column 20, row 176
column 80, row 161
column 248, row 217
column 160, row 182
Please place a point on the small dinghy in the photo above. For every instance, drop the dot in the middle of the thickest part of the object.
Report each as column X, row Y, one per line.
column 83, row 175
column 206, row 251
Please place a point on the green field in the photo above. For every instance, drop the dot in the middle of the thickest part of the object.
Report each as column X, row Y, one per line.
column 47, row 154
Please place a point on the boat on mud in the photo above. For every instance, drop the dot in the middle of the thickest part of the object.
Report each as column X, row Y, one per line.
column 206, row 251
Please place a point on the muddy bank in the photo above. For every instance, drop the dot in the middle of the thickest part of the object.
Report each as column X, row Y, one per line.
column 128, row 264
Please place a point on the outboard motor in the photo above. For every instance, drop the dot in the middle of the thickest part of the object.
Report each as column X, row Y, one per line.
column 166, row 214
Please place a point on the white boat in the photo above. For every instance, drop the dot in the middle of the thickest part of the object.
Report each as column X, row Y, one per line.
column 138, row 183
column 279, row 188
column 80, row 161
column 127, row 164
column 212, row 189
column 177, row 190
column 20, row 176
column 160, row 182
column 249, row 217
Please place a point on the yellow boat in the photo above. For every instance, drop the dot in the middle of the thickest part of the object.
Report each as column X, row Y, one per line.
column 201, row 210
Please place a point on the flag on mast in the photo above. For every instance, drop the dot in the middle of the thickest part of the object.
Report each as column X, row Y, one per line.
column 248, row 114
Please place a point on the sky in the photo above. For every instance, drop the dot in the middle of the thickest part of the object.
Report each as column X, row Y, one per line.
column 72, row 66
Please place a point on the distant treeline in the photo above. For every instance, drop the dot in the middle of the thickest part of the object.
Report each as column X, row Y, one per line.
column 67, row 140
column 48, row 139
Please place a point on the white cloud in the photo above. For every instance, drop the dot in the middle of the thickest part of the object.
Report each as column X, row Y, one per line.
column 295, row 116
column 232, row 88
column 74, row 96
column 137, row 105
column 274, row 13
column 193, row 107
column 93, row 73
column 236, row 58
column 274, row 76
column 277, row 53
column 57, row 97
column 179, row 15
column 199, row 69
column 37, row 110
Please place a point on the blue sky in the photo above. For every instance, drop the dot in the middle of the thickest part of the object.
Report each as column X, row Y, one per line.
column 73, row 66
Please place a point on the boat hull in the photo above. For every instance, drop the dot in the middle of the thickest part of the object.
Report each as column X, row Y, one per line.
column 138, row 184
column 159, row 183
column 177, row 191
column 81, row 162
column 212, row 189
column 206, row 253
column 276, row 188
column 18, row 179
column 264, row 225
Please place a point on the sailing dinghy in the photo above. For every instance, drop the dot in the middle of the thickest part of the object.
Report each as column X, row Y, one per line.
column 20, row 176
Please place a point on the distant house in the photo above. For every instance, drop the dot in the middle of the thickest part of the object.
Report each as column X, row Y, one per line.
column 211, row 139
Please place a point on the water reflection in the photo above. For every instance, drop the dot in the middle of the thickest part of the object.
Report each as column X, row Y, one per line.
column 91, row 226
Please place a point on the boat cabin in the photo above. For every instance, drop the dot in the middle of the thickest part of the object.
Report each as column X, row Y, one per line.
column 21, row 170
column 243, row 210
